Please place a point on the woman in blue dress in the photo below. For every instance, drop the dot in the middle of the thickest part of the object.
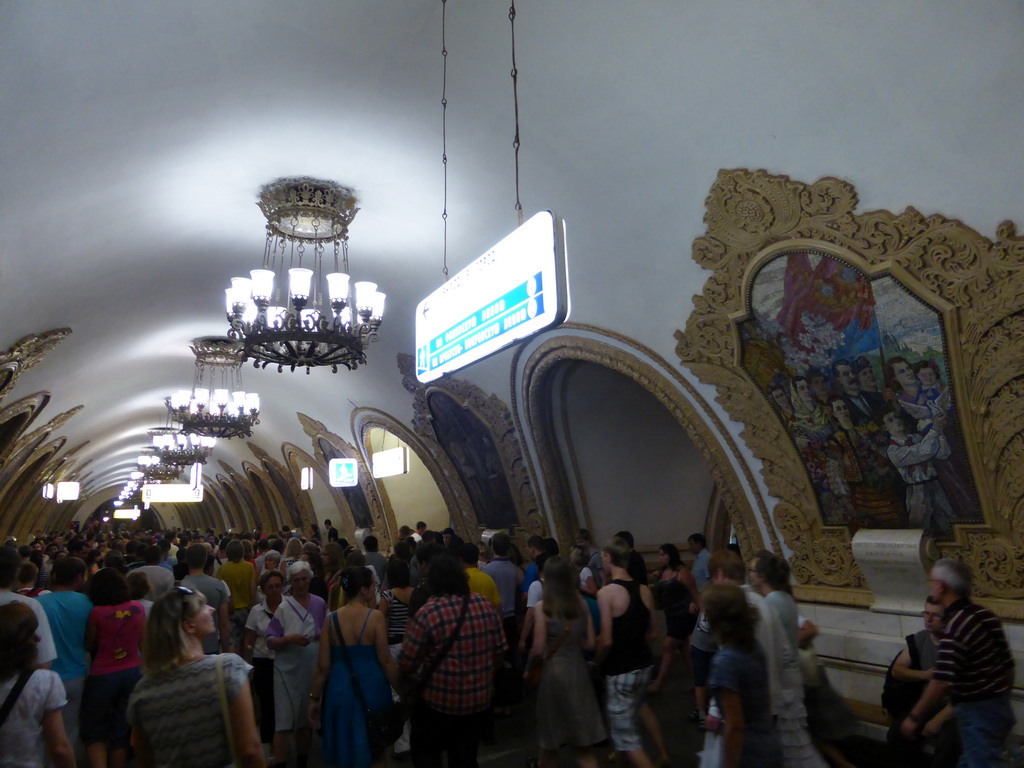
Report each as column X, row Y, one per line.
column 364, row 632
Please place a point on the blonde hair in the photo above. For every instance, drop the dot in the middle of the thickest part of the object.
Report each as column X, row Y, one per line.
column 293, row 549
column 167, row 644
column 618, row 550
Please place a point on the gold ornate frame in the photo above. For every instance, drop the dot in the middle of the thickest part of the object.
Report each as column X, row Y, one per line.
column 976, row 284
column 496, row 416
column 26, row 353
column 667, row 386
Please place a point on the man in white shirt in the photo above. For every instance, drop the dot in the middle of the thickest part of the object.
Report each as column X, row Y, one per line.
column 161, row 579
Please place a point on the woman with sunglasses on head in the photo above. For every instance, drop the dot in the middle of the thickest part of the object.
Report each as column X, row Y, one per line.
column 177, row 709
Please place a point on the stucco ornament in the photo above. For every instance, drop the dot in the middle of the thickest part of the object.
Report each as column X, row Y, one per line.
column 975, row 284
column 26, row 353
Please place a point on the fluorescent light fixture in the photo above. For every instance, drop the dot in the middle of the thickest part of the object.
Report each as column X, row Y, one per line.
column 127, row 514
column 49, row 490
column 393, row 461
column 518, row 288
column 343, row 473
column 67, row 491
column 306, row 478
column 171, row 492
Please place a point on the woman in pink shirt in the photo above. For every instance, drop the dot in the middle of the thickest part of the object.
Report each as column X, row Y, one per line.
column 114, row 637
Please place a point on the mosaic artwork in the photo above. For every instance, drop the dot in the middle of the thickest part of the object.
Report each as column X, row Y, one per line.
column 857, row 372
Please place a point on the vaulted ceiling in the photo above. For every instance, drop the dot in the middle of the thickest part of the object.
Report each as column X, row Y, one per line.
column 134, row 137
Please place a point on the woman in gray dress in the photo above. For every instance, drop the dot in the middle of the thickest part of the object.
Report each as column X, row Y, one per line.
column 567, row 710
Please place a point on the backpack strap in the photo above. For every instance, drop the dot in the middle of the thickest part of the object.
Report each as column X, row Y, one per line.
column 12, row 697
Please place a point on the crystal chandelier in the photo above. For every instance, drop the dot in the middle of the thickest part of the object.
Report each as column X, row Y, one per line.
column 216, row 406
column 179, row 448
column 291, row 313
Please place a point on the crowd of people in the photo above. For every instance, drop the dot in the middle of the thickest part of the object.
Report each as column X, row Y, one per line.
column 183, row 648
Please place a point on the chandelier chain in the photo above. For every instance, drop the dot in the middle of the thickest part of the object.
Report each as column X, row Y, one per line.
column 444, row 135
column 515, row 100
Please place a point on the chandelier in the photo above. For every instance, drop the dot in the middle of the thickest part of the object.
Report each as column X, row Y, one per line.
column 179, row 448
column 291, row 313
column 216, row 406
column 155, row 471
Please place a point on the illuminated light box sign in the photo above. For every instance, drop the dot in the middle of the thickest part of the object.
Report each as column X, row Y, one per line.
column 127, row 514
column 518, row 288
column 168, row 492
column 393, row 461
column 343, row 473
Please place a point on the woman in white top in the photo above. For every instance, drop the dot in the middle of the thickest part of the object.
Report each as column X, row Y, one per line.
column 258, row 653
column 35, row 719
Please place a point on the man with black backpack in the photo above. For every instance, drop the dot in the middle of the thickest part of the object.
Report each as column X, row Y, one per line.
column 908, row 674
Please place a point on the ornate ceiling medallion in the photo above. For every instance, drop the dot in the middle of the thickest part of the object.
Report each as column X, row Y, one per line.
column 319, row 319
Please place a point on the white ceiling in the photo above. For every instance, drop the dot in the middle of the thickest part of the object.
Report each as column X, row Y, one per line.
column 134, row 136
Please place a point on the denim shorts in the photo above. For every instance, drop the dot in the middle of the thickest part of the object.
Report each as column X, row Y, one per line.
column 701, row 661
column 104, row 715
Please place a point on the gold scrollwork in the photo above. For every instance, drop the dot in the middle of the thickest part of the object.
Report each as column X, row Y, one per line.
column 26, row 353
column 977, row 284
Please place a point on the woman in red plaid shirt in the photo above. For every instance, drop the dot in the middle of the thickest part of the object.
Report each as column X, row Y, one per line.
column 454, row 686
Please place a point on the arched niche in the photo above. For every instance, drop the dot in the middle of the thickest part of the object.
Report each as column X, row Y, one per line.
column 294, row 503
column 424, row 493
column 237, row 514
column 477, row 436
column 539, row 370
column 28, row 483
column 471, row 448
column 269, row 498
column 625, row 461
column 16, row 418
column 363, row 501
column 322, row 501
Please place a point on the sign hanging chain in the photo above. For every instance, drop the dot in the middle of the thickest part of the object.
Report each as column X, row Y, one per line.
column 515, row 100
column 444, row 135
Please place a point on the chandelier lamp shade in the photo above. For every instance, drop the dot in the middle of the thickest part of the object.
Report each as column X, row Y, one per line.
column 179, row 448
column 216, row 406
column 291, row 312
column 155, row 471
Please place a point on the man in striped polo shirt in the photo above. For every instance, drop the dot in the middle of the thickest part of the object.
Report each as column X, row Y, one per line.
column 974, row 666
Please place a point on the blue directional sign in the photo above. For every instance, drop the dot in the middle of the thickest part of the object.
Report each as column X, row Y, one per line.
column 343, row 473
column 516, row 289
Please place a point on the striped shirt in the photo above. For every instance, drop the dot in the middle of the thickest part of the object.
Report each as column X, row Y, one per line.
column 464, row 680
column 974, row 658
column 398, row 617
